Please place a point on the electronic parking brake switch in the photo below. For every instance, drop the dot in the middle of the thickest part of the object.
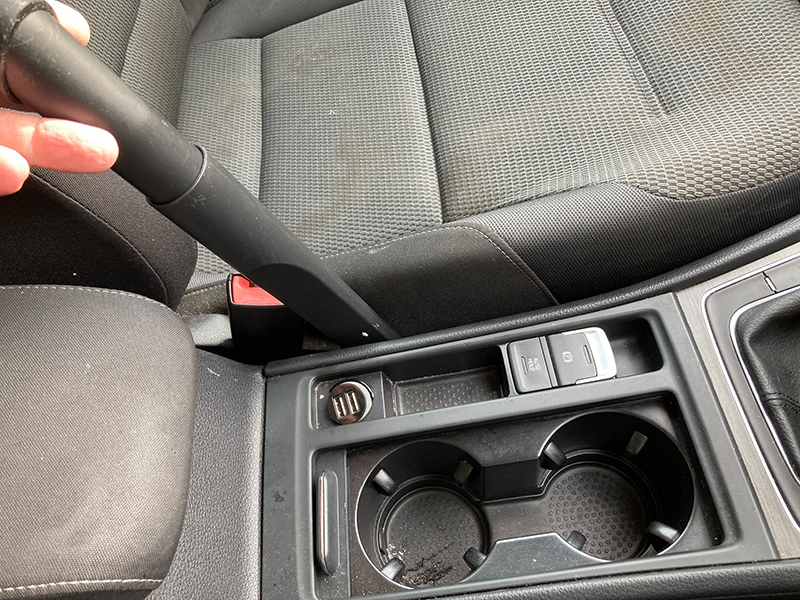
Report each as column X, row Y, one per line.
column 576, row 357
column 573, row 359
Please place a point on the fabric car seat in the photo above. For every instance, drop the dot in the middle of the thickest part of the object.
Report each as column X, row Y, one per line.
column 453, row 161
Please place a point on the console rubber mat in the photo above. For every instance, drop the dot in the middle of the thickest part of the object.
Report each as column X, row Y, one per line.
column 603, row 505
column 430, row 530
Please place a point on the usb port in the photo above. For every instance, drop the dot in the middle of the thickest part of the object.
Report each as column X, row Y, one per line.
column 349, row 402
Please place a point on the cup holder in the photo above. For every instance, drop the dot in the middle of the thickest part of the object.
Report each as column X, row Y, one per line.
column 416, row 523
column 603, row 505
column 610, row 485
column 623, row 484
column 427, row 525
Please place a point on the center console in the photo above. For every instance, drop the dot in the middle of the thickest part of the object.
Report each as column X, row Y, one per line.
column 588, row 446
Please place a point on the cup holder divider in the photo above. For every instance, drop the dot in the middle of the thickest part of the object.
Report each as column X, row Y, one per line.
column 548, row 551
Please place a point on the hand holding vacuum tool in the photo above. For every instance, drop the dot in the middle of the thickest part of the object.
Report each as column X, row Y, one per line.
column 44, row 67
column 29, row 140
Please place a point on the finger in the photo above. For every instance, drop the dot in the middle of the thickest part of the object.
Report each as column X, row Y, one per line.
column 57, row 144
column 14, row 171
column 72, row 21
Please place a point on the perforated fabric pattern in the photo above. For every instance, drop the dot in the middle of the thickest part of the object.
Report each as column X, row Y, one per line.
column 221, row 110
column 208, row 263
column 156, row 54
column 221, row 105
column 728, row 75
column 684, row 99
column 111, row 29
column 145, row 42
column 606, row 141
column 347, row 153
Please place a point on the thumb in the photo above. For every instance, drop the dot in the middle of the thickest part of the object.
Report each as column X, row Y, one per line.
column 72, row 21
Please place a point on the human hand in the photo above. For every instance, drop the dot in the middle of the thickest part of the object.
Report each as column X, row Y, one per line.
column 28, row 140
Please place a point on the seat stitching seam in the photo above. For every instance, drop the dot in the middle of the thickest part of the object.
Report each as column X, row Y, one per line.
column 428, row 117
column 781, row 397
column 130, row 36
column 478, row 231
column 622, row 182
column 504, row 253
column 78, row 582
column 70, row 288
column 712, row 197
column 638, row 70
column 112, row 228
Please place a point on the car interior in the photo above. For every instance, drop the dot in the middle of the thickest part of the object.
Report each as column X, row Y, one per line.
column 405, row 299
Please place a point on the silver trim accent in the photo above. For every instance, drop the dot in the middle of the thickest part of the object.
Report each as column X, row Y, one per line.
column 602, row 354
column 770, row 283
column 326, row 480
column 712, row 337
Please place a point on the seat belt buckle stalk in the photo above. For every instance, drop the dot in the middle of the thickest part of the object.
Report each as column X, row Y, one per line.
column 262, row 328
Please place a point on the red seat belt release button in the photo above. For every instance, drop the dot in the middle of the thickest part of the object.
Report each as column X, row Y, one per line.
column 246, row 293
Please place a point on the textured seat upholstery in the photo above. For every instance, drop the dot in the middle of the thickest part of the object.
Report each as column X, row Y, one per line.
column 604, row 142
column 457, row 161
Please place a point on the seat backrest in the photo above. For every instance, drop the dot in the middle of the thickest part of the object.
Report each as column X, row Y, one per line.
column 145, row 42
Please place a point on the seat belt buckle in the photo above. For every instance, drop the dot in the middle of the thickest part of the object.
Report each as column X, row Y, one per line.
column 262, row 328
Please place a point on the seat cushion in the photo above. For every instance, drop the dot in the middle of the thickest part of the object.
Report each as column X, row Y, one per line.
column 685, row 99
column 326, row 123
column 601, row 143
column 339, row 147
column 97, row 393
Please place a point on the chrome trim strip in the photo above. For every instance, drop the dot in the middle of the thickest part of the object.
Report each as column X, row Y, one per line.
column 602, row 354
column 704, row 307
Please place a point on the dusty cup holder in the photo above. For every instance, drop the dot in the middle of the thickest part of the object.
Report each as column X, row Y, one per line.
column 416, row 523
column 602, row 486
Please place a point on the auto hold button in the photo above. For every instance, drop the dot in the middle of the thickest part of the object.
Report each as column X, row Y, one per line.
column 528, row 366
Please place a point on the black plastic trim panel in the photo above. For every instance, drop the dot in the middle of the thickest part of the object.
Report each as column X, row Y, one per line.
column 219, row 552
column 765, row 581
column 292, row 441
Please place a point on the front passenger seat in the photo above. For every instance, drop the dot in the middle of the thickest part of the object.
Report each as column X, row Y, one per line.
column 458, row 161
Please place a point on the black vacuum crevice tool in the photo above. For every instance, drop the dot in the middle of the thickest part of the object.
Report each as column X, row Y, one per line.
column 44, row 67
